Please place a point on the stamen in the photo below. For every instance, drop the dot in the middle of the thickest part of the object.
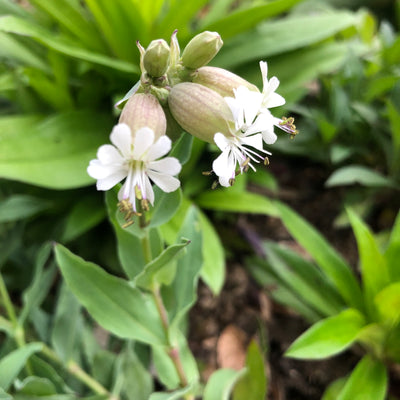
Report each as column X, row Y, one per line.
column 287, row 124
column 125, row 207
column 207, row 173
column 266, row 161
column 231, row 181
column 214, row 185
column 145, row 204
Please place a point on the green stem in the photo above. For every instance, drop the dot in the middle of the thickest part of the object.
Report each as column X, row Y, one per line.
column 74, row 369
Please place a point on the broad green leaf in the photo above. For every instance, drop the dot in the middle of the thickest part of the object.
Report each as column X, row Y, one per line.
column 252, row 385
column 182, row 148
column 52, row 152
column 304, row 279
column 282, row 36
column 225, row 200
column 21, row 206
column 328, row 337
column 392, row 254
column 368, row 381
column 129, row 245
column 4, row 395
column 213, row 269
column 36, row 386
column 175, row 395
column 67, row 325
column 333, row 390
column 352, row 174
column 113, row 303
column 387, row 302
column 221, row 384
column 216, row 11
column 183, row 289
column 62, row 44
column 147, row 278
column 41, row 283
column 84, row 215
column 374, row 271
column 330, row 262
column 12, row 363
column 165, row 206
column 243, row 20
column 136, row 381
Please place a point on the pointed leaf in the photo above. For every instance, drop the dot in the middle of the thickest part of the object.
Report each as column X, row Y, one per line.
column 113, row 303
column 328, row 337
column 221, row 384
column 392, row 254
column 387, row 302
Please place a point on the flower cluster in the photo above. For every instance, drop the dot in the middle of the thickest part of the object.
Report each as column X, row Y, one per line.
column 210, row 103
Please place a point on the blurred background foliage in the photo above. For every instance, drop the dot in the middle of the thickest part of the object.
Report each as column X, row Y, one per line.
column 65, row 63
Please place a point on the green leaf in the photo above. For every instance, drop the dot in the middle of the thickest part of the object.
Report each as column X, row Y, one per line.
column 392, row 254
column 4, row 395
column 352, row 174
column 282, row 36
column 36, row 386
column 252, row 385
column 328, row 337
column 165, row 206
column 21, row 206
column 368, row 381
column 175, row 395
column 221, row 384
column 67, row 326
column 243, row 20
column 374, row 271
column 225, row 200
column 213, row 269
column 52, row 152
column 147, row 277
column 333, row 390
column 62, row 43
column 331, row 263
column 12, row 363
column 387, row 302
column 113, row 303
column 182, row 148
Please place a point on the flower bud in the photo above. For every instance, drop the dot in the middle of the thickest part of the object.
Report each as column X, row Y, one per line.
column 200, row 111
column 220, row 80
column 201, row 49
column 142, row 110
column 156, row 58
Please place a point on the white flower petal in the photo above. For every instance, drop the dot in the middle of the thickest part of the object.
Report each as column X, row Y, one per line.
column 264, row 121
column 144, row 138
column 108, row 154
column 269, row 136
column 236, row 109
column 110, row 181
column 168, row 165
column 97, row 170
column 165, row 182
column 254, row 141
column 121, row 138
column 221, row 141
column 224, row 165
column 148, row 192
column 224, row 181
column 161, row 147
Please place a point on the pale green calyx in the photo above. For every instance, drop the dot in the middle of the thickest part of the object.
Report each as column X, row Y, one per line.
column 201, row 49
column 144, row 110
column 156, row 58
column 200, row 111
column 220, row 80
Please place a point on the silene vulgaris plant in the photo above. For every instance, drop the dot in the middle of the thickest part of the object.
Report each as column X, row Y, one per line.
column 345, row 313
column 139, row 171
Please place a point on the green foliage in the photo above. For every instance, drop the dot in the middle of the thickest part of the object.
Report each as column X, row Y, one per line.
column 321, row 293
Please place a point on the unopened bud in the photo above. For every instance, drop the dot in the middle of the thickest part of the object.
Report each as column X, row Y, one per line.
column 142, row 110
column 200, row 111
column 221, row 80
column 201, row 49
column 156, row 58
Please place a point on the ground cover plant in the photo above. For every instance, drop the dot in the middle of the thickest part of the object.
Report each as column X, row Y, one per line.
column 168, row 110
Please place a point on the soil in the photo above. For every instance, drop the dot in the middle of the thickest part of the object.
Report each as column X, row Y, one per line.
column 222, row 327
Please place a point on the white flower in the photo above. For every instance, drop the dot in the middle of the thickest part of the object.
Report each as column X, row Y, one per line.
column 137, row 160
column 269, row 97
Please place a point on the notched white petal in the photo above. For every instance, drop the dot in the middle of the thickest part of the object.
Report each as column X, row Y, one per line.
column 121, row 138
column 168, row 165
column 161, row 147
column 144, row 138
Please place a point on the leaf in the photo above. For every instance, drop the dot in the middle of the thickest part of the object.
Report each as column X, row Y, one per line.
column 166, row 205
column 387, row 302
column 392, row 254
column 12, row 363
column 175, row 395
column 352, row 174
column 225, row 200
column 333, row 390
column 328, row 337
column 368, row 381
column 282, row 36
column 52, row 152
column 221, row 384
column 182, row 148
column 213, row 269
column 62, row 43
column 374, row 271
column 4, row 395
column 112, row 302
column 21, row 206
column 147, row 277
column 252, row 385
column 36, row 386
column 331, row 263
column 243, row 20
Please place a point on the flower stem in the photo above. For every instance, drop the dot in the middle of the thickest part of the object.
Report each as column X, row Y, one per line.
column 74, row 369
